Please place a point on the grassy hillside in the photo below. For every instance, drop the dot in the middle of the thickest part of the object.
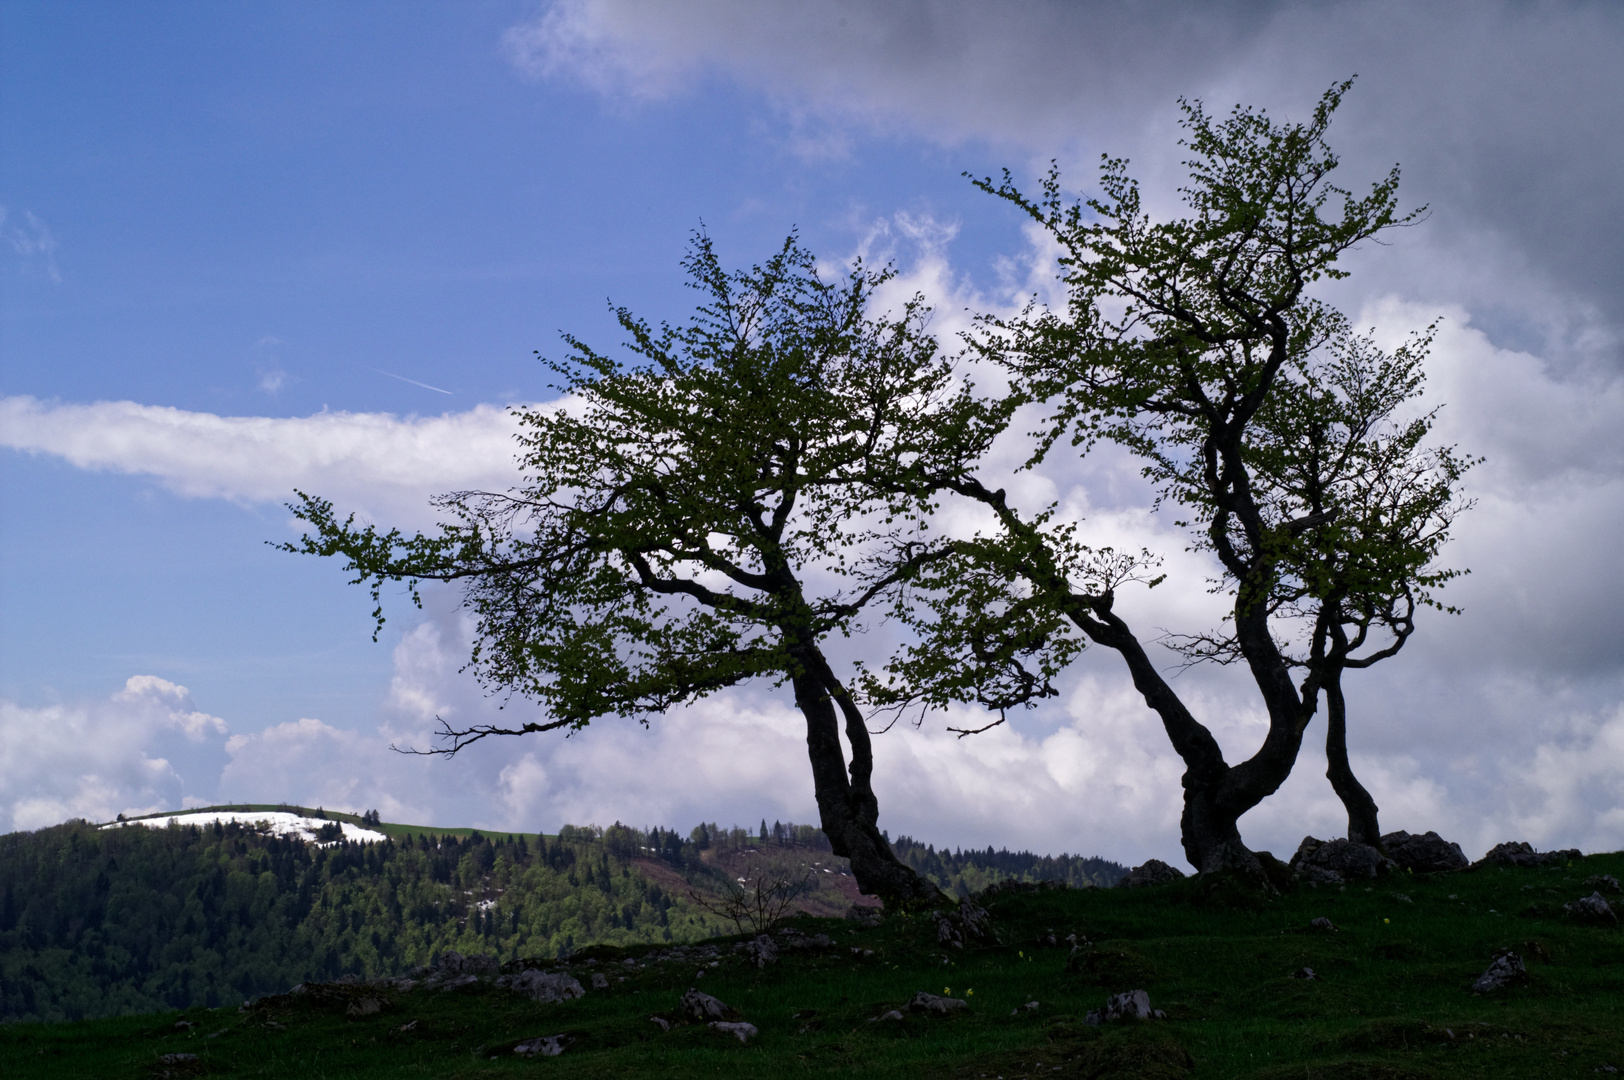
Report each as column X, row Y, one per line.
column 1391, row 997
column 106, row 922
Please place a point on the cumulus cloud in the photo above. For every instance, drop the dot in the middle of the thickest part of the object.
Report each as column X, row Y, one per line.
column 99, row 759
column 310, row 763
column 384, row 465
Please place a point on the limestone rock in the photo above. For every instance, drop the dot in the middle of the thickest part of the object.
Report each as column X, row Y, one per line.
column 1427, row 853
column 547, row 1046
column 739, row 1029
column 936, row 1006
column 1152, row 872
column 367, row 1006
column 1337, row 861
column 543, row 986
column 1521, row 853
column 1593, row 908
column 600, row 981
column 1603, row 883
column 1506, row 969
column 865, row 915
column 963, row 925
column 702, row 1008
column 1322, row 923
column 763, row 950
column 1129, row 1005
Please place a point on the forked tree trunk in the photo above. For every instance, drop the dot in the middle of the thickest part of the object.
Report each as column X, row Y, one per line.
column 847, row 807
column 1216, row 793
column 1363, row 827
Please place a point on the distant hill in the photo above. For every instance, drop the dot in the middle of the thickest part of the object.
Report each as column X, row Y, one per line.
column 102, row 921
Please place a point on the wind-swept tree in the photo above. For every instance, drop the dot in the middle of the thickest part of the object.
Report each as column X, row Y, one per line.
column 698, row 516
column 1334, row 447
column 1175, row 339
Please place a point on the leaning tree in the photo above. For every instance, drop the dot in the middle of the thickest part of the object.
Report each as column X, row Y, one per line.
column 1344, row 444
column 1176, row 338
column 699, row 515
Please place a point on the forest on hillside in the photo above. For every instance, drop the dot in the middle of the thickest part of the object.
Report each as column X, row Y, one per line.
column 100, row 922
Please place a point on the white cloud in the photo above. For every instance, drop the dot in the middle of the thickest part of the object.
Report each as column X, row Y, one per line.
column 98, row 759
column 311, row 763
column 31, row 241
column 383, row 465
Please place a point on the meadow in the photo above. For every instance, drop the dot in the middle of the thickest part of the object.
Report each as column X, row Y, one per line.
column 1391, row 996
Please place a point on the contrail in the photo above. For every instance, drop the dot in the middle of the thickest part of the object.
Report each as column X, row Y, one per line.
column 414, row 382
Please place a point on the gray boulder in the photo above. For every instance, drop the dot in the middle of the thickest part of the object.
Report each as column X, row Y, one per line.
column 966, row 924
column 702, row 1008
column 1521, row 853
column 763, row 951
column 543, row 986
column 936, row 1006
column 1337, row 861
column 1593, row 908
column 865, row 915
column 548, row 1046
column 1603, row 883
column 738, row 1029
column 1152, row 872
column 1427, row 853
column 1507, row 968
column 1129, row 1005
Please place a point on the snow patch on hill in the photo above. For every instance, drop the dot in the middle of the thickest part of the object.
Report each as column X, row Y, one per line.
column 279, row 822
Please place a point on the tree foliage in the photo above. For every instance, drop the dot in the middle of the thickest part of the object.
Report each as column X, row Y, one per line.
column 700, row 515
column 1193, row 343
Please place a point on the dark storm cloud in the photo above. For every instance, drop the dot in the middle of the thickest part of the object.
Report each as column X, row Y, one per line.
column 1508, row 118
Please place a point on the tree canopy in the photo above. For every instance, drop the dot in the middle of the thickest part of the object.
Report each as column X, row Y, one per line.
column 1193, row 343
column 702, row 515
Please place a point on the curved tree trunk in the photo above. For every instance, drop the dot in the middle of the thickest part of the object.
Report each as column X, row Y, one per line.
column 847, row 807
column 1216, row 793
column 1363, row 827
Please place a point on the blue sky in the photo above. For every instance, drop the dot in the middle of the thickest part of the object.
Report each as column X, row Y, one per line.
column 249, row 247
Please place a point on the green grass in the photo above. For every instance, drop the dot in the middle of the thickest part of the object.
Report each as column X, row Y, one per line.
column 1392, row 1001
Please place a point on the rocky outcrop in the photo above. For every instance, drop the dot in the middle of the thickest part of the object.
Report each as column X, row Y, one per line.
column 1427, row 853
column 1521, row 853
column 1337, row 861
column 1152, row 872
column 964, row 925
column 762, row 951
column 543, row 986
